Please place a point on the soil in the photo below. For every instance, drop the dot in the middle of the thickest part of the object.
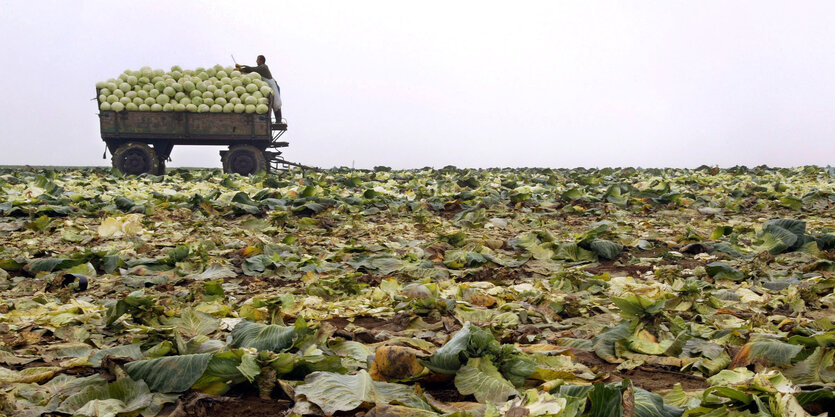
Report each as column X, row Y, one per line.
column 615, row 269
column 685, row 263
column 446, row 393
column 648, row 377
column 371, row 280
column 372, row 325
column 493, row 275
column 656, row 378
column 451, row 209
column 202, row 405
column 253, row 283
column 250, row 406
column 819, row 407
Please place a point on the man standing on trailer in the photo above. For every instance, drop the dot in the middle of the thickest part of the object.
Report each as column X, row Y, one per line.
column 264, row 71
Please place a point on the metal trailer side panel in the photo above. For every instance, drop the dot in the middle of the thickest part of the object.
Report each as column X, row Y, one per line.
column 182, row 128
column 128, row 123
column 243, row 126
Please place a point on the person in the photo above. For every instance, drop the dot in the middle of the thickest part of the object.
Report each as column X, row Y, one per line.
column 264, row 71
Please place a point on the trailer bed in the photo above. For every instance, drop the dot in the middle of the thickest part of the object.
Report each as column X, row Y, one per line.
column 185, row 128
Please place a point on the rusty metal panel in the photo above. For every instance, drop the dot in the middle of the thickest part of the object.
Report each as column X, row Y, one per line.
column 107, row 120
column 220, row 124
column 166, row 123
column 232, row 125
column 262, row 125
column 185, row 128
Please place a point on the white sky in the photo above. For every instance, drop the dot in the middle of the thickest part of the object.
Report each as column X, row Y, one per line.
column 433, row 83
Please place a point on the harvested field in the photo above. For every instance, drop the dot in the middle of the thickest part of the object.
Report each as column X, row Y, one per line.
column 425, row 293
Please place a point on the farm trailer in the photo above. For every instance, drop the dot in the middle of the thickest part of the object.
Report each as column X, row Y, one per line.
column 141, row 141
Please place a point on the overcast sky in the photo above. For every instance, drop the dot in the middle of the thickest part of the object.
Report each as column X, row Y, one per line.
column 434, row 83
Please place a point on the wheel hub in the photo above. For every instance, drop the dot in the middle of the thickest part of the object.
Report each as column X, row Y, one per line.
column 135, row 162
column 243, row 163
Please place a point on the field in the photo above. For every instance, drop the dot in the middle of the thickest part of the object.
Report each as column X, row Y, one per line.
column 518, row 292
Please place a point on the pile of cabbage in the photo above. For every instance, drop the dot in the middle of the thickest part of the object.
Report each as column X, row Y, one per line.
column 202, row 90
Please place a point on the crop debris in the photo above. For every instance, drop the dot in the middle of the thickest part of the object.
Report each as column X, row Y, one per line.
column 433, row 292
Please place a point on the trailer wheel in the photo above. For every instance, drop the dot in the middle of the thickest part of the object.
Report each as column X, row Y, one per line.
column 135, row 158
column 244, row 160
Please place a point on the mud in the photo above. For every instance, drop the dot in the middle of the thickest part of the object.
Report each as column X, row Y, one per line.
column 648, row 377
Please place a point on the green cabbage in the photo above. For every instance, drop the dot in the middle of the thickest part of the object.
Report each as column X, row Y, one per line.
column 215, row 89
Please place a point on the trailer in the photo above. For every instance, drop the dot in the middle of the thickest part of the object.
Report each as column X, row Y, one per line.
column 141, row 142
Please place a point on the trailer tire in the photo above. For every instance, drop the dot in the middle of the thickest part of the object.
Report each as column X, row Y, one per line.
column 135, row 158
column 244, row 160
